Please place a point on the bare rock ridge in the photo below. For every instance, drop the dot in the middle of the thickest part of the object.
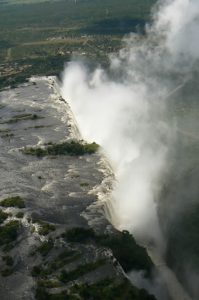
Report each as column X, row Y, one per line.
column 55, row 241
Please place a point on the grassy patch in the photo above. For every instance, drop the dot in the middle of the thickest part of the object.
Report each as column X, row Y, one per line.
column 49, row 283
column 7, row 135
column 36, row 271
column 16, row 201
column 42, row 294
column 127, row 252
column 3, row 216
column 106, row 289
column 66, row 148
column 38, row 127
column 8, row 260
column 124, row 248
column 55, row 264
column 5, row 130
column 79, row 234
column 6, row 272
column 20, row 215
column 41, row 272
column 80, row 271
column 22, row 117
column 62, row 259
column 84, row 184
column 9, row 232
column 45, row 228
column 46, row 247
column 110, row 290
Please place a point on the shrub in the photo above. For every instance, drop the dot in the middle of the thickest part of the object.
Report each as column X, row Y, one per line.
column 36, row 271
column 80, row 271
column 84, row 184
column 79, row 234
column 3, row 216
column 127, row 252
column 20, row 215
column 111, row 290
column 62, row 259
column 49, row 283
column 39, row 271
column 45, row 228
column 42, row 294
column 45, row 247
column 8, row 260
column 23, row 117
column 16, row 201
column 39, row 152
column 66, row 148
column 123, row 245
column 9, row 232
column 7, row 272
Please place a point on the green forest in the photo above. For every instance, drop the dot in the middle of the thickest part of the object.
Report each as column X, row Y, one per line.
column 38, row 37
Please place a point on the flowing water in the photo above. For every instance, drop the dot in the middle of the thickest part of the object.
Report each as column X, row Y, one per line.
column 33, row 115
column 61, row 190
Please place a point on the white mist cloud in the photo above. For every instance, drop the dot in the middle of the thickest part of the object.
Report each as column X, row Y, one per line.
column 179, row 20
column 128, row 116
column 129, row 124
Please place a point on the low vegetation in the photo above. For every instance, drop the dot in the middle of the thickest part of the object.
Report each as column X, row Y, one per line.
column 124, row 248
column 40, row 271
column 43, row 294
column 7, row 135
column 79, row 234
column 80, row 271
column 62, row 259
column 66, row 148
column 106, row 289
column 9, row 232
column 37, row 271
column 110, row 290
column 51, row 283
column 127, row 252
column 55, row 264
column 6, row 130
column 8, row 260
column 45, row 228
column 84, row 184
column 45, row 247
column 16, row 201
column 23, row 117
column 7, row 272
column 20, row 215
column 3, row 216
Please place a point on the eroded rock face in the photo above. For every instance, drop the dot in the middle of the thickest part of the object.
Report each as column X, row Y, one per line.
column 42, row 254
